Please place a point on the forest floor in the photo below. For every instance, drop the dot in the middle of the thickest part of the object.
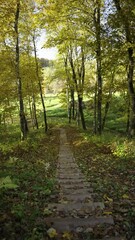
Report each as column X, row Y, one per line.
column 29, row 178
column 112, row 178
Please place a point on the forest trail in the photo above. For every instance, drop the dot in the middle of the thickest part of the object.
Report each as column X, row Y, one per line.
column 76, row 210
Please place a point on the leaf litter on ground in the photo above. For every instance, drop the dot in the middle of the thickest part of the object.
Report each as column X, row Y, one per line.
column 27, row 181
column 112, row 177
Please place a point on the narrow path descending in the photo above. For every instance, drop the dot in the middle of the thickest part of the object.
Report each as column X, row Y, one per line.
column 75, row 210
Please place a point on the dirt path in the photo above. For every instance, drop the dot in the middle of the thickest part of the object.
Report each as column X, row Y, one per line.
column 76, row 211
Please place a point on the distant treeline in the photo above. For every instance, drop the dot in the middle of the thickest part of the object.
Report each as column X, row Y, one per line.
column 46, row 62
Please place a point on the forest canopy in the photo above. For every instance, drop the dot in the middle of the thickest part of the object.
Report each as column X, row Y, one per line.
column 96, row 44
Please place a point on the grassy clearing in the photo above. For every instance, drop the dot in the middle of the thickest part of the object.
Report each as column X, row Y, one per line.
column 56, row 112
column 110, row 167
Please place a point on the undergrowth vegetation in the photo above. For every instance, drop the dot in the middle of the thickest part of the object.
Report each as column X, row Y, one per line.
column 27, row 180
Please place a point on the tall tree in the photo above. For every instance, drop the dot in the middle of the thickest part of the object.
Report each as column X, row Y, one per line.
column 97, row 22
column 127, row 18
column 78, row 75
column 23, row 121
column 40, row 86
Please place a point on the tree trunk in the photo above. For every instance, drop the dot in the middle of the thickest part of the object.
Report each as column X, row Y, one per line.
column 0, row 118
column 131, row 92
column 34, row 111
column 79, row 87
column 95, row 111
column 130, row 73
column 128, row 117
column 29, row 101
column 73, row 104
column 107, row 105
column 40, row 86
column 80, row 103
column 23, row 121
column 71, row 101
column 98, row 60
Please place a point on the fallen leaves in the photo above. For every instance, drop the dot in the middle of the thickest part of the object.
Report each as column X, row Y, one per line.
column 67, row 235
column 112, row 177
column 26, row 182
column 125, row 196
column 107, row 198
column 107, row 213
column 47, row 212
column 52, row 232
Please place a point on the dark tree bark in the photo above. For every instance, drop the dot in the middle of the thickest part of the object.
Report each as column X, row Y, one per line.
column 131, row 92
column 80, row 103
column 23, row 121
column 34, row 111
column 71, row 100
column 128, row 117
column 130, row 72
column 30, row 108
column 79, row 85
column 40, row 86
column 98, row 60
column 81, row 75
column 95, row 111
column 107, row 105
column 73, row 103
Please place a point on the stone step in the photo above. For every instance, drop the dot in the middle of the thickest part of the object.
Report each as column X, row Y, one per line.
column 66, row 156
column 77, row 191
column 70, row 175
column 112, row 238
column 77, row 197
column 72, row 190
column 68, row 171
column 62, row 177
column 67, row 167
column 71, row 224
column 74, row 185
column 86, row 207
column 72, row 181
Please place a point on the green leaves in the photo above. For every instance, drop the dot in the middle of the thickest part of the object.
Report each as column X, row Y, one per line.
column 7, row 183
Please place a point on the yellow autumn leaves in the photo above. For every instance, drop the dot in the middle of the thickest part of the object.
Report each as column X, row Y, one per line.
column 52, row 234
